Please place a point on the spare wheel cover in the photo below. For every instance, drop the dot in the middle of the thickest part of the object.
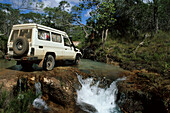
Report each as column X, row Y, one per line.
column 20, row 46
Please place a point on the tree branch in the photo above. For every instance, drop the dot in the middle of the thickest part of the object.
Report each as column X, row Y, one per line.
column 84, row 29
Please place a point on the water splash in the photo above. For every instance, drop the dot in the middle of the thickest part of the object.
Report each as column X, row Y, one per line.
column 20, row 95
column 19, row 85
column 38, row 89
column 38, row 102
column 101, row 100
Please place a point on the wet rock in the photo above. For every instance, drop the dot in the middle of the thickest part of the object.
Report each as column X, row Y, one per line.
column 88, row 108
column 138, row 94
column 57, row 87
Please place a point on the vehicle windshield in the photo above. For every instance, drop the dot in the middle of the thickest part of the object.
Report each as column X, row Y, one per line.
column 25, row 33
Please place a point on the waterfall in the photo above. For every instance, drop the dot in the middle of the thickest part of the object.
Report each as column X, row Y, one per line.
column 20, row 95
column 38, row 102
column 100, row 100
column 38, row 89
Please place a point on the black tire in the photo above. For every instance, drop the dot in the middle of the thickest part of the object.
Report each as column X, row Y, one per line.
column 20, row 46
column 77, row 60
column 49, row 62
column 27, row 66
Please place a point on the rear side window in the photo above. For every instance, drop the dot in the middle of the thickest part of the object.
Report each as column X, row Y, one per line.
column 56, row 37
column 26, row 33
column 43, row 35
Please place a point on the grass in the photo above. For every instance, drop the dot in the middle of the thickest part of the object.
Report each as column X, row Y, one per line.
column 20, row 103
column 153, row 55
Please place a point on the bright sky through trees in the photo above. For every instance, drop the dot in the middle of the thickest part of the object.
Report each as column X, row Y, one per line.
column 47, row 3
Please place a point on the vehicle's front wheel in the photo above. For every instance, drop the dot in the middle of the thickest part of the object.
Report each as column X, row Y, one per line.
column 49, row 62
column 77, row 60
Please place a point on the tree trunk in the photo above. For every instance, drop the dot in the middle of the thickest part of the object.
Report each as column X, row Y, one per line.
column 157, row 26
column 155, row 10
column 102, row 36
column 106, row 33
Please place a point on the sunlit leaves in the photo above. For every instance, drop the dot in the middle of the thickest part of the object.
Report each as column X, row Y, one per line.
column 105, row 13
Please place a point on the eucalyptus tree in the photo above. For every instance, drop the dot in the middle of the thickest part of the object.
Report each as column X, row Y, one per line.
column 101, row 17
column 164, row 15
column 31, row 17
column 8, row 18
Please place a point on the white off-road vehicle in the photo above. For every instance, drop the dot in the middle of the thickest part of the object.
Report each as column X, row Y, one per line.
column 34, row 43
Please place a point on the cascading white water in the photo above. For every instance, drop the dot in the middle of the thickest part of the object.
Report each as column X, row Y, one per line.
column 20, row 95
column 38, row 88
column 38, row 102
column 102, row 100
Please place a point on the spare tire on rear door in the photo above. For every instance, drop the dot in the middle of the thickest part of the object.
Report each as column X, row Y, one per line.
column 20, row 46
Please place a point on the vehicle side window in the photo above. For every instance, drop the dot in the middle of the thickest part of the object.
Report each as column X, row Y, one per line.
column 66, row 42
column 56, row 37
column 43, row 35
column 14, row 35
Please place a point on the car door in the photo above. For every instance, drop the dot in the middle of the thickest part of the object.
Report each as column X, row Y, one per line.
column 57, row 45
column 68, row 49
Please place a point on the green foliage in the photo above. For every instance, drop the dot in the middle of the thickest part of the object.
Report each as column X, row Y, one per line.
column 16, row 104
column 3, row 97
column 105, row 14
column 23, row 103
column 155, row 56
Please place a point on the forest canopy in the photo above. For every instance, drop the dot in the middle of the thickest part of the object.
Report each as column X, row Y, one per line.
column 120, row 18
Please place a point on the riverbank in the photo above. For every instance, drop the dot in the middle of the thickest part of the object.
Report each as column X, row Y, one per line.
column 58, row 86
column 58, row 90
column 147, row 89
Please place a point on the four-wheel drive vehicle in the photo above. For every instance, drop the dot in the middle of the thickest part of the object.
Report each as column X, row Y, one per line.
column 34, row 43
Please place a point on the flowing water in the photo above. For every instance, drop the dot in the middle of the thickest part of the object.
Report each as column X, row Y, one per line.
column 99, row 69
column 38, row 102
column 94, row 99
column 90, row 96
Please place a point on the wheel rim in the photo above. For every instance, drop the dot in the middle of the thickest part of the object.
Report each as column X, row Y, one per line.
column 77, row 60
column 50, row 63
column 19, row 45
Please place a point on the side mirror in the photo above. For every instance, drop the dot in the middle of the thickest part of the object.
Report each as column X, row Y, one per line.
column 70, row 38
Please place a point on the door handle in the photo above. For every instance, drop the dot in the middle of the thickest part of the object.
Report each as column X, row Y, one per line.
column 40, row 46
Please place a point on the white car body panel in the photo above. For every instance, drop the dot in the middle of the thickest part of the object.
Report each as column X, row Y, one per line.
column 41, row 47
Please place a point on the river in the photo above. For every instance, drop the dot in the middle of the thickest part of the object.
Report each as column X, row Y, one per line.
column 99, row 69
column 100, row 100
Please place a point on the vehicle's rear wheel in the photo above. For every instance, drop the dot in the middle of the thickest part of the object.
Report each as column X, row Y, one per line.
column 49, row 62
column 20, row 46
column 77, row 60
column 27, row 66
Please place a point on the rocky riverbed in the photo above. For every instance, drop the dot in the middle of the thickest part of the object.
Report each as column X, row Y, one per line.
column 142, row 91
column 58, row 87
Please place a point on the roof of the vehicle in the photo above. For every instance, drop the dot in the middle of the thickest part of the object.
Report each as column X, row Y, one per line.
column 32, row 25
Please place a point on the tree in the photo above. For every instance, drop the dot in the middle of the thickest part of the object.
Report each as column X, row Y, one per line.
column 105, row 18
column 155, row 14
column 102, row 16
column 56, row 18
column 164, row 15
column 31, row 17
column 8, row 18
